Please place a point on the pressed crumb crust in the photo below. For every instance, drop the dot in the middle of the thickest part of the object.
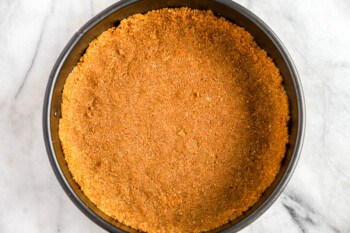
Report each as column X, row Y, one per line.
column 174, row 121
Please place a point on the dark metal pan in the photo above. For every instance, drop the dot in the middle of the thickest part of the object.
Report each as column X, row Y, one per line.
column 76, row 47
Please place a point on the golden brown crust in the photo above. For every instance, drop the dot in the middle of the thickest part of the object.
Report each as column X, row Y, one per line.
column 175, row 121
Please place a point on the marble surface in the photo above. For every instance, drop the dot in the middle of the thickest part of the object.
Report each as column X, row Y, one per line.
column 317, row 35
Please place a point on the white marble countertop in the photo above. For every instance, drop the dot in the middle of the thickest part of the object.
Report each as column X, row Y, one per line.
column 317, row 35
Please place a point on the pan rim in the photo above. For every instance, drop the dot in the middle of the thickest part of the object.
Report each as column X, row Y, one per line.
column 98, row 18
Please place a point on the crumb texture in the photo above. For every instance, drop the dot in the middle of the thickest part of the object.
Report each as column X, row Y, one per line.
column 174, row 121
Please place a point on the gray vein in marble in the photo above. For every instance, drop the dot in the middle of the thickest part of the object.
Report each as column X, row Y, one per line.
column 37, row 47
column 295, row 213
column 303, row 214
column 31, row 64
